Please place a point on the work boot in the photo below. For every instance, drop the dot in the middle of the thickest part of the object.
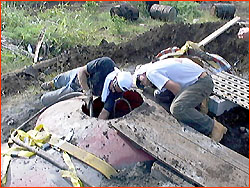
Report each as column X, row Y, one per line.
column 218, row 131
column 47, row 85
column 204, row 106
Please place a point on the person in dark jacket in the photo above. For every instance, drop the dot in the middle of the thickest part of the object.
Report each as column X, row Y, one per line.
column 99, row 77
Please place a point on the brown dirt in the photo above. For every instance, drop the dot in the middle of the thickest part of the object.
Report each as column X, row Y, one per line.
column 138, row 51
column 142, row 49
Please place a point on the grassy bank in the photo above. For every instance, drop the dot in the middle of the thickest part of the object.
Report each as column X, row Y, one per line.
column 72, row 25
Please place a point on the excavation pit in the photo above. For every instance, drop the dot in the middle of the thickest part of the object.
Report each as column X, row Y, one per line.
column 124, row 105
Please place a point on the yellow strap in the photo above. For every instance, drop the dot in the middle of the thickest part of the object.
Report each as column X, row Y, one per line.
column 26, row 154
column 195, row 46
column 35, row 137
column 74, row 179
column 81, row 154
column 6, row 153
column 67, row 160
column 5, row 164
column 71, row 173
column 22, row 152
column 39, row 127
column 184, row 49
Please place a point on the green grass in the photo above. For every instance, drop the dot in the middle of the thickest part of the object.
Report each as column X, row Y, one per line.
column 11, row 61
column 188, row 12
column 85, row 25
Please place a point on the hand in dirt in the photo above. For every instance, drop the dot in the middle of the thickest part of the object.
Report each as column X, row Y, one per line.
column 243, row 33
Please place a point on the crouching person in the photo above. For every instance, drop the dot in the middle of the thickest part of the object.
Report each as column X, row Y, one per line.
column 99, row 77
column 190, row 85
column 164, row 96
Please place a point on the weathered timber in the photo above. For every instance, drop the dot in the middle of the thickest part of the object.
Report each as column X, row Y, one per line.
column 188, row 152
column 39, row 44
column 219, row 31
column 161, row 171
column 7, row 43
column 60, row 60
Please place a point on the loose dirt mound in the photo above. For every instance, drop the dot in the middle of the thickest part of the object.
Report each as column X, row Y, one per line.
column 141, row 50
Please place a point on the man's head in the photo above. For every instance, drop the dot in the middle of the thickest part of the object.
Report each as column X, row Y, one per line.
column 139, row 83
column 140, row 78
column 122, row 82
column 142, row 81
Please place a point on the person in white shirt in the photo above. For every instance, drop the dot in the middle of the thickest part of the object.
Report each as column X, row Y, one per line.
column 190, row 85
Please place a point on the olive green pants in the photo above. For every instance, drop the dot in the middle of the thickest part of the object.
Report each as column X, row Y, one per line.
column 184, row 103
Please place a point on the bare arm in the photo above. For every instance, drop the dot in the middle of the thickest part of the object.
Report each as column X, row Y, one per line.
column 82, row 77
column 172, row 86
column 104, row 114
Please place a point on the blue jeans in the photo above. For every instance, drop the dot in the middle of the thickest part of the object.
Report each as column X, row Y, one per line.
column 64, row 83
column 67, row 82
column 98, row 70
column 184, row 103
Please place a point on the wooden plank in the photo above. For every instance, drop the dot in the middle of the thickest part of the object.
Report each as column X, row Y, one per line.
column 216, row 33
column 39, row 43
column 190, row 153
column 161, row 171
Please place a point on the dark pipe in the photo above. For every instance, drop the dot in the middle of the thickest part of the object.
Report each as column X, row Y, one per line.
column 91, row 109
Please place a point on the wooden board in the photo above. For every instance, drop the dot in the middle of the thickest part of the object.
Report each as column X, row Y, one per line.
column 190, row 153
column 219, row 31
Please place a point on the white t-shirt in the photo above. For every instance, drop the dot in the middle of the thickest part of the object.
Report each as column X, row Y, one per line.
column 181, row 70
column 109, row 78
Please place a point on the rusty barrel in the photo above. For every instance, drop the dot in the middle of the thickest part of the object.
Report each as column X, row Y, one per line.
column 126, row 11
column 150, row 3
column 223, row 10
column 163, row 12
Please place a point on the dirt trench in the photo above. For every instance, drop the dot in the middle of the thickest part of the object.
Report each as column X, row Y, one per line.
column 139, row 50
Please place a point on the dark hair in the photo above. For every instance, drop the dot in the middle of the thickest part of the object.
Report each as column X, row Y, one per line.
column 138, row 83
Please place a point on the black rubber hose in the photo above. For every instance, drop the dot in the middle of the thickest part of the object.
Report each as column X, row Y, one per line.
column 91, row 109
column 65, row 97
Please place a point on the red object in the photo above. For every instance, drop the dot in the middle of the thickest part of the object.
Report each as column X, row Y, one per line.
column 93, row 135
